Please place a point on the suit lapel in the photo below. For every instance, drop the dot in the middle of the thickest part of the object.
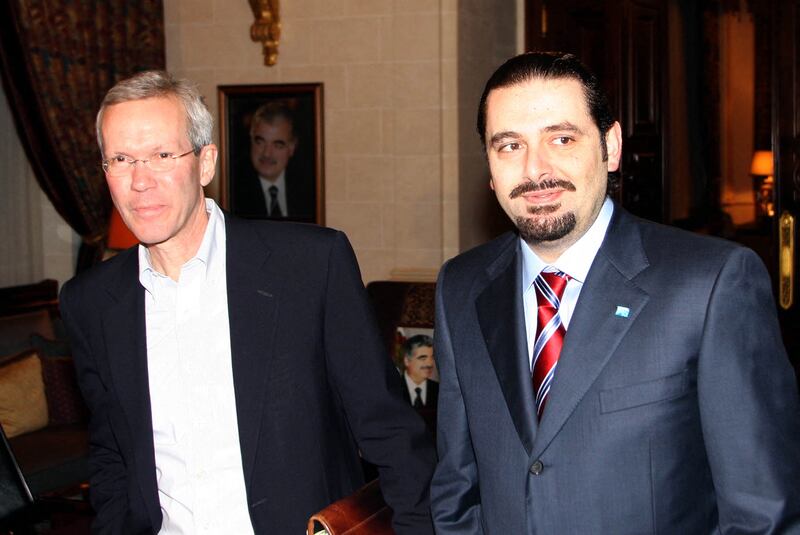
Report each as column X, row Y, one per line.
column 253, row 294
column 502, row 322
column 126, row 349
column 596, row 329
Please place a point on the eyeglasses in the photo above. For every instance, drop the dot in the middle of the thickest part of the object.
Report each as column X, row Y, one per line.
column 160, row 162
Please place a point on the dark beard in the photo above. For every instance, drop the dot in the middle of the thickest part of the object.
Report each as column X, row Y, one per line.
column 542, row 229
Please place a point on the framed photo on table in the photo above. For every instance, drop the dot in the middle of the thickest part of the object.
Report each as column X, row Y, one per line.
column 271, row 151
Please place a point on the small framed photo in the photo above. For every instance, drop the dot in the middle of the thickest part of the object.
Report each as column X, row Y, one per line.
column 410, row 338
column 271, row 151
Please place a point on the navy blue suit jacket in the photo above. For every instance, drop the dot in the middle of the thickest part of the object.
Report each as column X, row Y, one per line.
column 677, row 413
column 432, row 397
column 312, row 384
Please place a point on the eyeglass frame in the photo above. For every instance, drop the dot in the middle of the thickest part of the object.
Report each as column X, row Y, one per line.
column 132, row 162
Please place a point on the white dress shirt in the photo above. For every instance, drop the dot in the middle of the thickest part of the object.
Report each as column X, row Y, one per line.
column 412, row 389
column 199, row 472
column 575, row 262
column 279, row 183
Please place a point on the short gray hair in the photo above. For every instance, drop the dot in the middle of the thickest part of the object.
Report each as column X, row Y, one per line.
column 152, row 84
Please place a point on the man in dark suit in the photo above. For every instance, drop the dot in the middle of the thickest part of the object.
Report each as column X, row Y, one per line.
column 229, row 390
column 421, row 390
column 273, row 190
column 600, row 373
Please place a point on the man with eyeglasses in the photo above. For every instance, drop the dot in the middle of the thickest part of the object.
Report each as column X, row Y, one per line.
column 229, row 392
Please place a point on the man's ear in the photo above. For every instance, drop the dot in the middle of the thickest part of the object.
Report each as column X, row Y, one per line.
column 614, row 146
column 208, row 163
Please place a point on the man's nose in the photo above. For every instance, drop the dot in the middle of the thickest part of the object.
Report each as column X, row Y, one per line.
column 537, row 164
column 141, row 177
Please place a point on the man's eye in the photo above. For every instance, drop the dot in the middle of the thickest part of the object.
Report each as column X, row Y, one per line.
column 509, row 147
column 163, row 156
column 563, row 140
column 118, row 159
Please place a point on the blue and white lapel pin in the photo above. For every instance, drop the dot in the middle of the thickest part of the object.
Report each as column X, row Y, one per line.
column 622, row 312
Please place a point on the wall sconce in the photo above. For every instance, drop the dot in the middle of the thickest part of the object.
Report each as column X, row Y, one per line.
column 119, row 236
column 763, row 183
column 267, row 28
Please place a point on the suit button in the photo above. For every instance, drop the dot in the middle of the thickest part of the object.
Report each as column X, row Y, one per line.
column 537, row 467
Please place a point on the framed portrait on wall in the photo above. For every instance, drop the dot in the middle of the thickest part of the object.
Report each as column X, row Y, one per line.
column 271, row 151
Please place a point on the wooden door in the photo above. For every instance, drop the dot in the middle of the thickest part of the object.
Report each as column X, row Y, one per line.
column 786, row 149
column 623, row 42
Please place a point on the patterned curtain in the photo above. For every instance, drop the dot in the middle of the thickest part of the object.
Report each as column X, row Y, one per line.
column 57, row 60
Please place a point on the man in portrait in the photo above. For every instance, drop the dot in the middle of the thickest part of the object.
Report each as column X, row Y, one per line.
column 272, row 190
column 600, row 373
column 421, row 390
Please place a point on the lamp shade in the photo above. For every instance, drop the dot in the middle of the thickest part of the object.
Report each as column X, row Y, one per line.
column 119, row 236
column 762, row 163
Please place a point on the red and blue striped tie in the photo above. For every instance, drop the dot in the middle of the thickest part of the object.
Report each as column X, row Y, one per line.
column 549, row 334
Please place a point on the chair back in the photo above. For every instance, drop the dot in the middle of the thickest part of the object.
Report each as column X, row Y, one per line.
column 399, row 304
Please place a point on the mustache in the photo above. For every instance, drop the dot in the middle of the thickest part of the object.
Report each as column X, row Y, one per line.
column 265, row 160
column 547, row 183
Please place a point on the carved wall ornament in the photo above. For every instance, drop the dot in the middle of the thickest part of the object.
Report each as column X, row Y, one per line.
column 267, row 28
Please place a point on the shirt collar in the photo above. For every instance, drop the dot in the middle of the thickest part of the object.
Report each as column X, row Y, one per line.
column 410, row 382
column 210, row 256
column 576, row 260
column 280, row 181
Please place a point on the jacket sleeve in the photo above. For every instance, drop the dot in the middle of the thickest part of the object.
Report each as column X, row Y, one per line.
column 749, row 406
column 388, row 432
column 107, row 480
column 455, row 494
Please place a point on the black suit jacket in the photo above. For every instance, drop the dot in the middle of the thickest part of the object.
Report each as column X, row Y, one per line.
column 312, row 384
column 431, row 398
column 248, row 200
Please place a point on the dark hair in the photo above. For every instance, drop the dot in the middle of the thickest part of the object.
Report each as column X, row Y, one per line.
column 548, row 65
column 419, row 340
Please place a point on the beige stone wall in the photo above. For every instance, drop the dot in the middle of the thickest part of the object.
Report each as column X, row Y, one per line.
column 389, row 69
